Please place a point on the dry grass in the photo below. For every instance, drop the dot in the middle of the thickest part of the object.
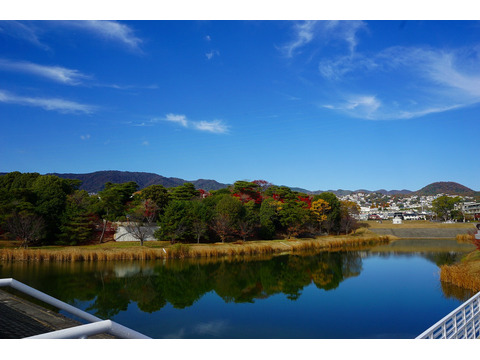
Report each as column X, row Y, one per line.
column 466, row 274
column 163, row 250
column 465, row 238
column 462, row 275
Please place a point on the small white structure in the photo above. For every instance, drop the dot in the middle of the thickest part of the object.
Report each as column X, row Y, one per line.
column 397, row 220
column 123, row 235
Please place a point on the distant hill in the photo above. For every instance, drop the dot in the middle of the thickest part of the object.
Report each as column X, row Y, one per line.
column 94, row 182
column 446, row 187
column 341, row 192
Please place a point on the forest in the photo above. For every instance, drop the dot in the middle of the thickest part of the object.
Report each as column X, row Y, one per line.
column 47, row 210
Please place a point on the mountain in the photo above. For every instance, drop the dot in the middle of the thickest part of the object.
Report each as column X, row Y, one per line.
column 446, row 187
column 94, row 182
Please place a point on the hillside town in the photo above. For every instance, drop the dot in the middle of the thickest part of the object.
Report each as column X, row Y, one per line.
column 377, row 206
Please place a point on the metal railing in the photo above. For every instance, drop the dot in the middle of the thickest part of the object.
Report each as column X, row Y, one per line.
column 96, row 326
column 461, row 323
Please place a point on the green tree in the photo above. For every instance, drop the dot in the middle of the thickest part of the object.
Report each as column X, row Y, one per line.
column 176, row 223
column 186, row 191
column 158, row 194
column 199, row 214
column 228, row 212
column 268, row 218
column 332, row 222
column 78, row 220
column 293, row 217
column 443, row 206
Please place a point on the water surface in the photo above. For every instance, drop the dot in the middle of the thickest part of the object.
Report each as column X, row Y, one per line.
column 389, row 291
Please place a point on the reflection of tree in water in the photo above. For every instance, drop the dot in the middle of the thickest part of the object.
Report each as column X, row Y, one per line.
column 110, row 288
column 456, row 292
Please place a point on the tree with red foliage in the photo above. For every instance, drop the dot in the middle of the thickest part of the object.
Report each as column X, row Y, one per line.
column 247, row 191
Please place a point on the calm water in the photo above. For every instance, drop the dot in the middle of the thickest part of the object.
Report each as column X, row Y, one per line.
column 389, row 291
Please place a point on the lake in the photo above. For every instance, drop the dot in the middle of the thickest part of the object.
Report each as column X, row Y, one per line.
column 389, row 291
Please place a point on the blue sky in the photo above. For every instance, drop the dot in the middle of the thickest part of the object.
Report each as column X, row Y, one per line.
column 312, row 104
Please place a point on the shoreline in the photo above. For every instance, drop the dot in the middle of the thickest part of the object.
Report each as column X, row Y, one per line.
column 164, row 250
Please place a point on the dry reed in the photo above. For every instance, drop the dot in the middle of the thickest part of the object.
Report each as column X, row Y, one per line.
column 462, row 275
column 182, row 251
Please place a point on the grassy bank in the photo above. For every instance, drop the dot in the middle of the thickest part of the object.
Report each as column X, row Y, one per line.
column 418, row 224
column 465, row 274
column 164, row 250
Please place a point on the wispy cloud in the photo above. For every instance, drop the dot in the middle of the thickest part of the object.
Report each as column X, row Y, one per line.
column 363, row 106
column 85, row 137
column 303, row 33
column 24, row 31
column 214, row 126
column 54, row 73
column 423, row 81
column 327, row 31
column 105, row 29
column 179, row 119
column 108, row 30
column 211, row 54
column 50, row 104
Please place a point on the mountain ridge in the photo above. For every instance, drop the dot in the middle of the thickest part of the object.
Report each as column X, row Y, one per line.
column 95, row 181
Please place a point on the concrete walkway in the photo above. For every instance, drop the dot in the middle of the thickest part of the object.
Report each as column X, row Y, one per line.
column 20, row 318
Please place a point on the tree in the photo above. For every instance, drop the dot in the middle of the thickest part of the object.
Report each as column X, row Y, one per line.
column 78, row 220
column 135, row 224
column 348, row 210
column 175, row 223
column 158, row 194
column 332, row 223
column 268, row 218
column 227, row 214
column 186, row 191
column 27, row 227
column 293, row 217
column 248, row 221
column 199, row 215
column 50, row 201
column 443, row 205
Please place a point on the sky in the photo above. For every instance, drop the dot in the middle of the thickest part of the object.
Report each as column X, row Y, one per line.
column 312, row 104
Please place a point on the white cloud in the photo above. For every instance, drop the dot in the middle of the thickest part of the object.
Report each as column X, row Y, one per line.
column 422, row 81
column 208, row 38
column 51, row 104
column 55, row 73
column 106, row 29
column 85, row 137
column 145, row 143
column 328, row 31
column 303, row 35
column 109, row 30
column 179, row 119
column 362, row 106
column 215, row 126
column 24, row 31
column 212, row 328
column 211, row 54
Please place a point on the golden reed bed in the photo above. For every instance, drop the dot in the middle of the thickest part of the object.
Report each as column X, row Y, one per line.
column 177, row 251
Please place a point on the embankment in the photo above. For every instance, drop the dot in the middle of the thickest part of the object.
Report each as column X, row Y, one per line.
column 420, row 233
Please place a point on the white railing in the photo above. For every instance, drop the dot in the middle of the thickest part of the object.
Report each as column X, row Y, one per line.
column 96, row 326
column 461, row 323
